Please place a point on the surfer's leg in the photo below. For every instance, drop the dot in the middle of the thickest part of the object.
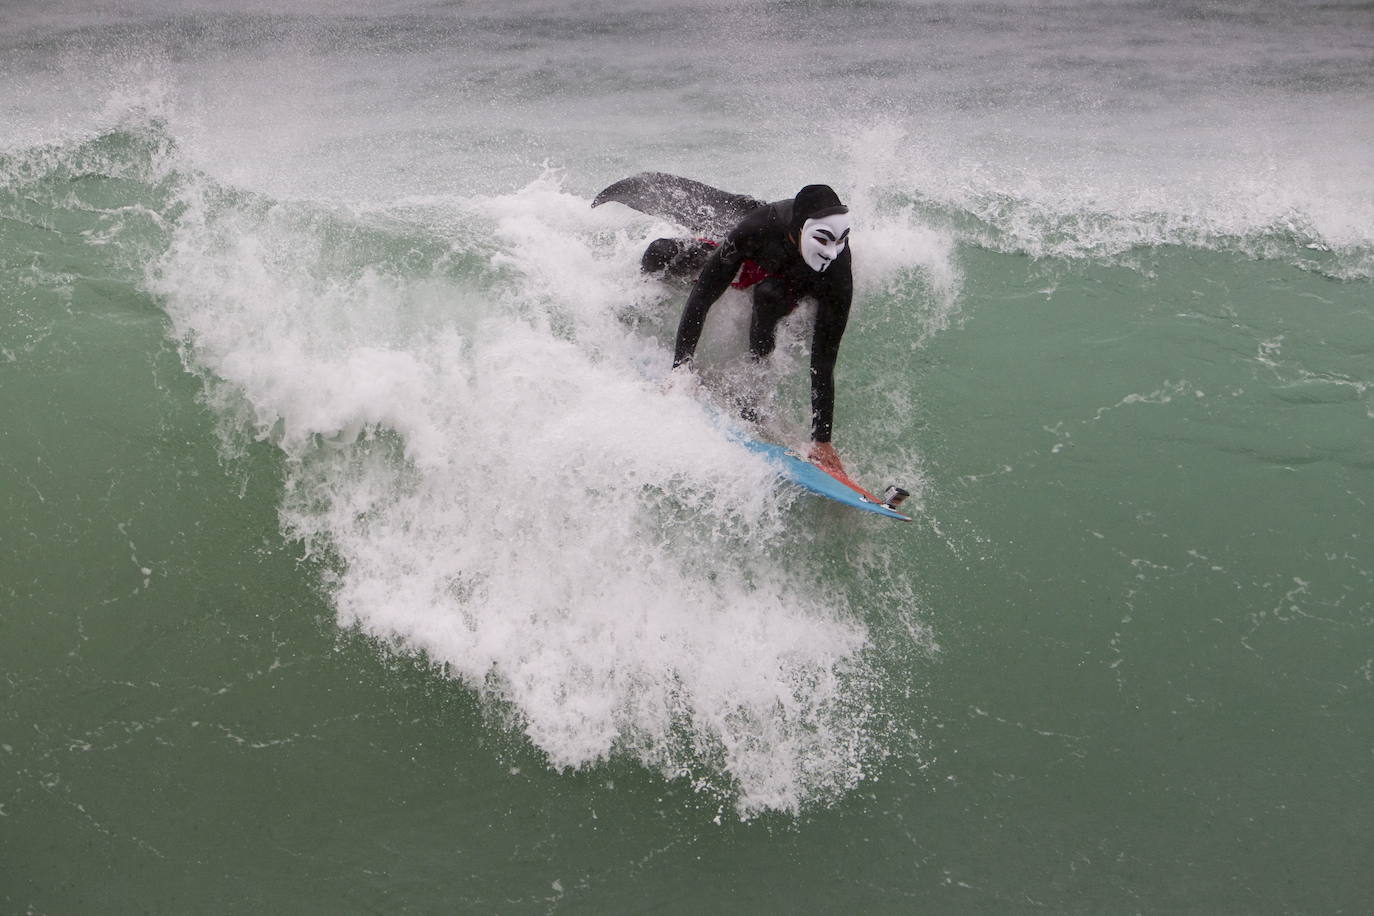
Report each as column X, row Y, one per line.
column 771, row 305
column 677, row 257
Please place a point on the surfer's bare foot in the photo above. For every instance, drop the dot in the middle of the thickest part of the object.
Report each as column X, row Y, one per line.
column 824, row 454
column 682, row 380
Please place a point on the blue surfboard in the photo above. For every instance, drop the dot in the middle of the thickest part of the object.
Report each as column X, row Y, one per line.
column 812, row 477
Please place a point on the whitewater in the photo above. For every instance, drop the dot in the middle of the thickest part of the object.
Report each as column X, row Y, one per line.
column 349, row 503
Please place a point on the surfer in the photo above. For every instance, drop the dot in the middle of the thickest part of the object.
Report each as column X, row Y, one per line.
column 783, row 251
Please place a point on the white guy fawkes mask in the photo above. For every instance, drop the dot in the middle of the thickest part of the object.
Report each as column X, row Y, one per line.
column 823, row 239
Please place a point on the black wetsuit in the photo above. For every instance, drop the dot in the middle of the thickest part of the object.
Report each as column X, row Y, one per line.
column 763, row 238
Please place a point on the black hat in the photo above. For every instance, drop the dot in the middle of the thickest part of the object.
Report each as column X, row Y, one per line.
column 813, row 202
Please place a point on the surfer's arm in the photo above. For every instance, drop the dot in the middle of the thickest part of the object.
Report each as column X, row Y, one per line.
column 715, row 276
column 832, row 314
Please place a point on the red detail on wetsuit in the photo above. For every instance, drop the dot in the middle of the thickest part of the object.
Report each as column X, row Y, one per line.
column 750, row 272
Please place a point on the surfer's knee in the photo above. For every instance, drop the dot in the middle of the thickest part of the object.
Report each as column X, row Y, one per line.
column 771, row 305
column 676, row 257
column 659, row 255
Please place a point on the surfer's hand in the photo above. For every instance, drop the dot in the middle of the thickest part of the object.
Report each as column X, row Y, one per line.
column 824, row 454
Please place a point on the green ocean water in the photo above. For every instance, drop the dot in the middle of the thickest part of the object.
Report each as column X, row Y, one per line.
column 355, row 559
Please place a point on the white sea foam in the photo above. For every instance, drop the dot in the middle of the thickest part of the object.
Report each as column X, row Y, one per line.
column 479, row 434
column 1079, row 130
column 1259, row 187
column 509, row 488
